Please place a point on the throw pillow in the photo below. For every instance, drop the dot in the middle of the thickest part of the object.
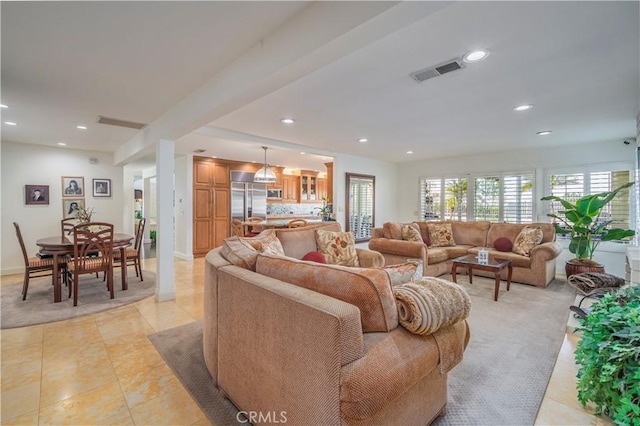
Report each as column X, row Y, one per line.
column 314, row 256
column 425, row 240
column 338, row 248
column 503, row 244
column 410, row 233
column 441, row 235
column 401, row 273
column 269, row 242
column 243, row 251
column 528, row 238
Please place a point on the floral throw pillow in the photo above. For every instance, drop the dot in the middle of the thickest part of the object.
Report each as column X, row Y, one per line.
column 410, row 233
column 269, row 243
column 339, row 248
column 402, row 272
column 441, row 235
column 528, row 238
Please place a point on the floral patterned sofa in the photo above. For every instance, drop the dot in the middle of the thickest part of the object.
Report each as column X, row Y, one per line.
column 438, row 243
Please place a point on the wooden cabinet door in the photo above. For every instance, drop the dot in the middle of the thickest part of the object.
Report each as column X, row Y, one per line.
column 221, row 211
column 202, row 231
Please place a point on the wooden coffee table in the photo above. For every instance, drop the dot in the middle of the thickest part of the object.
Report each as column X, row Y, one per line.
column 470, row 261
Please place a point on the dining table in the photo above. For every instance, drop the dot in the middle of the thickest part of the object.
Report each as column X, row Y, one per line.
column 57, row 246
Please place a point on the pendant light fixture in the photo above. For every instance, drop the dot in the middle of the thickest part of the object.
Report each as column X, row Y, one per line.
column 265, row 174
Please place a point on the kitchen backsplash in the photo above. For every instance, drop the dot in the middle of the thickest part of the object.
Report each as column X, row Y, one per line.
column 299, row 209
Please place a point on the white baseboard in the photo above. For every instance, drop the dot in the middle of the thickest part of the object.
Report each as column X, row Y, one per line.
column 183, row 256
column 12, row 271
column 164, row 297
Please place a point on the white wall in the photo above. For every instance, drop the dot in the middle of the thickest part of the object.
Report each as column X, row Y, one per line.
column 386, row 186
column 25, row 164
column 538, row 160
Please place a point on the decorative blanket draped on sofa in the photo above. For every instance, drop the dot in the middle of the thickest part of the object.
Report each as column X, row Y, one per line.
column 538, row 268
column 319, row 343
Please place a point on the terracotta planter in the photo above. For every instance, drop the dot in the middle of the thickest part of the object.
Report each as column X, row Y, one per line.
column 574, row 266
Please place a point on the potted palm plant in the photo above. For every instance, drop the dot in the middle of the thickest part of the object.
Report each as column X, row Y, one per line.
column 581, row 221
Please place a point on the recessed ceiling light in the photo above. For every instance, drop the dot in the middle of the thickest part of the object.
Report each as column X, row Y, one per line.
column 523, row 107
column 363, row 140
column 409, row 152
column 302, row 153
column 82, row 127
column 288, row 120
column 62, row 144
column 543, row 132
column 476, row 55
column 10, row 123
column 3, row 106
column 214, row 156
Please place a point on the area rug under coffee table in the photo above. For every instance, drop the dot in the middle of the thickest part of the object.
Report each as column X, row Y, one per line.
column 501, row 380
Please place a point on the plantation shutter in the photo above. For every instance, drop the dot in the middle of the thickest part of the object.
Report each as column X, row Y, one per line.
column 431, row 199
column 618, row 210
column 568, row 186
column 455, row 199
column 486, row 203
column 517, row 196
column 361, row 205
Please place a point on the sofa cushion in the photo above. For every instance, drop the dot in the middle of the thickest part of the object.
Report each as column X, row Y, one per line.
column 436, row 255
column 528, row 238
column 411, row 232
column 392, row 230
column 441, row 235
column 503, row 244
column 338, row 248
column 314, row 256
column 297, row 242
column 367, row 288
column 402, row 272
column 511, row 231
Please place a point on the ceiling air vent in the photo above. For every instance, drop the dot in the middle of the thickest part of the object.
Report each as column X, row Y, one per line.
column 438, row 70
column 199, row 151
column 120, row 123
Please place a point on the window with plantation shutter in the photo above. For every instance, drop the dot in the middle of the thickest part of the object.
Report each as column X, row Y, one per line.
column 572, row 186
column 517, row 198
column 360, row 207
column 486, row 200
column 455, row 198
column 431, row 199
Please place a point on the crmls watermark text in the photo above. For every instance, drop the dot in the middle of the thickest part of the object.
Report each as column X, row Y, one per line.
column 261, row 417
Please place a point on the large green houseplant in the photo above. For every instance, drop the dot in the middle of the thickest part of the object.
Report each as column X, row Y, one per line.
column 608, row 356
column 582, row 223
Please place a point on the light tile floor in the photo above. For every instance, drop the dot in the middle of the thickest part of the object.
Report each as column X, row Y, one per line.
column 102, row 369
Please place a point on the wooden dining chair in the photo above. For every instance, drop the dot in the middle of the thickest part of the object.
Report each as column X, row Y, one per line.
column 88, row 239
column 132, row 255
column 37, row 267
column 237, row 227
column 66, row 226
column 297, row 223
column 254, row 226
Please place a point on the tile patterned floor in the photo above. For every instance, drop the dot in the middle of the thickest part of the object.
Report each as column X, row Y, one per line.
column 101, row 369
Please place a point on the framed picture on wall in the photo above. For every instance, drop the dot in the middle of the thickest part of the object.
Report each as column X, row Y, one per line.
column 71, row 206
column 36, row 194
column 102, row 187
column 72, row 186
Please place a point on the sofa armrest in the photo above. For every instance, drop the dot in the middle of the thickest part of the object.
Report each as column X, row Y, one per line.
column 410, row 249
column 546, row 251
column 369, row 258
column 271, row 334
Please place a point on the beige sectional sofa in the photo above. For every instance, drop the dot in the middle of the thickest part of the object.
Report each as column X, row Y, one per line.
column 320, row 344
column 537, row 269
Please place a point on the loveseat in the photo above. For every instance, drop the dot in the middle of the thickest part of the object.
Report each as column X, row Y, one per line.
column 536, row 269
column 316, row 344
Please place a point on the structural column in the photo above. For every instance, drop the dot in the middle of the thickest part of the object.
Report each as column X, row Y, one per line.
column 165, row 289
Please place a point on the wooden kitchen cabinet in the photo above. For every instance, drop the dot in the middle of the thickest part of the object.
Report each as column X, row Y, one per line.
column 211, row 198
column 308, row 186
column 290, row 188
column 322, row 189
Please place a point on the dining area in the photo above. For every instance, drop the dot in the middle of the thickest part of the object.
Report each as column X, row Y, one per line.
column 88, row 259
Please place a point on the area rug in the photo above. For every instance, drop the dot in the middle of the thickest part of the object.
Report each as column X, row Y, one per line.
column 93, row 297
column 501, row 380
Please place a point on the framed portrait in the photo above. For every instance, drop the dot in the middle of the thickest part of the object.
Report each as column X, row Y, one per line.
column 72, row 186
column 36, row 194
column 102, row 187
column 70, row 207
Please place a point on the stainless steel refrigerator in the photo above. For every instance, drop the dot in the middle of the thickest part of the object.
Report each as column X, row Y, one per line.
column 247, row 198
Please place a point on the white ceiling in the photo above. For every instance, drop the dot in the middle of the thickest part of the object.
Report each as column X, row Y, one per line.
column 65, row 63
